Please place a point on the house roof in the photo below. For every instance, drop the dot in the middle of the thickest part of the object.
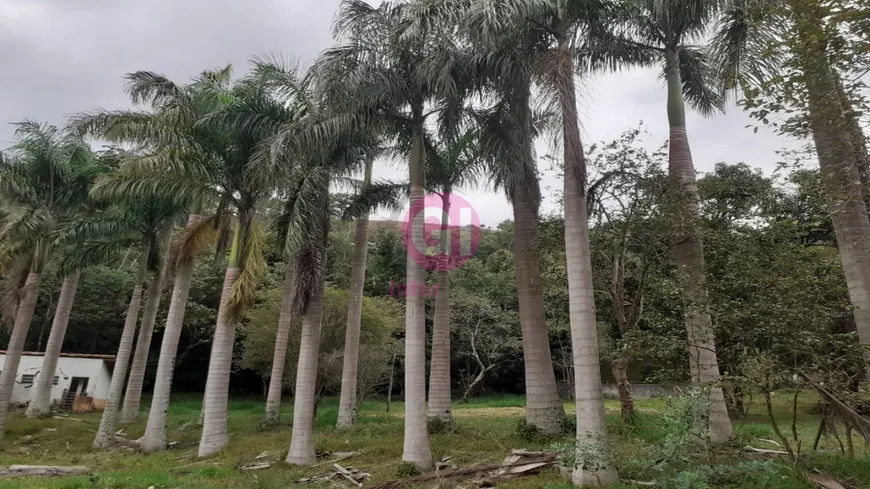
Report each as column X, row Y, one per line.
column 110, row 358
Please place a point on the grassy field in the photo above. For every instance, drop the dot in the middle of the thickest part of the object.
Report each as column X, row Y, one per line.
column 486, row 430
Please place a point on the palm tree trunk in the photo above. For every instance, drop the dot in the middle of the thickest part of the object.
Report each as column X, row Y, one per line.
column 592, row 467
column 392, row 377
column 840, row 174
column 439, row 372
column 543, row 405
column 29, row 294
column 40, row 403
column 416, row 445
column 133, row 396
column 109, row 422
column 276, row 381
column 347, row 406
column 689, row 253
column 305, row 395
column 214, row 411
column 856, row 133
column 544, row 408
column 155, row 431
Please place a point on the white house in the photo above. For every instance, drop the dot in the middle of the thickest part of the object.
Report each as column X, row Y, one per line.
column 81, row 382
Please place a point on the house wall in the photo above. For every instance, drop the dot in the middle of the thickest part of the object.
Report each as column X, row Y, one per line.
column 96, row 370
column 103, row 378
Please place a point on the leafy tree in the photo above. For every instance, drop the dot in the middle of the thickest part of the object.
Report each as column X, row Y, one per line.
column 631, row 244
column 380, row 316
column 790, row 69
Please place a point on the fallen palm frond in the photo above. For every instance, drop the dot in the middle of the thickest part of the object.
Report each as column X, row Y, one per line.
column 42, row 470
column 519, row 463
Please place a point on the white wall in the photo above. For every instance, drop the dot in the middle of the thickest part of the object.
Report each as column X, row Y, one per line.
column 95, row 369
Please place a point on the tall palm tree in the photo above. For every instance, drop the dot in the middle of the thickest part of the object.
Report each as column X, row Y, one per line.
column 754, row 42
column 369, row 197
column 507, row 70
column 392, row 81
column 249, row 116
column 451, row 164
column 133, row 393
column 279, row 357
column 140, row 224
column 45, row 175
column 310, row 264
column 347, row 405
column 668, row 29
column 168, row 131
column 40, row 402
column 324, row 148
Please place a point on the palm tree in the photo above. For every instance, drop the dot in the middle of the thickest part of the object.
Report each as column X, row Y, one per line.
column 285, row 317
column 324, row 147
column 133, row 394
column 143, row 225
column 755, row 42
column 506, row 68
column 40, row 402
column 168, row 131
column 451, row 164
column 45, row 175
column 347, row 406
column 390, row 78
column 250, row 116
column 667, row 28
column 310, row 250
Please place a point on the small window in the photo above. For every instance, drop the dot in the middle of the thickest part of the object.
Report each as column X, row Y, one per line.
column 56, row 380
column 27, row 379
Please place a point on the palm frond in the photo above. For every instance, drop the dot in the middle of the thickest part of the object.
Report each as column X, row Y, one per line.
column 253, row 267
column 744, row 45
column 699, row 89
column 95, row 252
column 138, row 128
column 382, row 194
column 201, row 234
column 155, row 89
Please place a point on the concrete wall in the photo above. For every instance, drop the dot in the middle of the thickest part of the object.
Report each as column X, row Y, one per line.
column 95, row 369
column 638, row 390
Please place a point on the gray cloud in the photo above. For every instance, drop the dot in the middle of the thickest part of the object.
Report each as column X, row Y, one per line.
column 63, row 57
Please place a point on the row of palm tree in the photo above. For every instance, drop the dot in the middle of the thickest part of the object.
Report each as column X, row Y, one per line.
column 461, row 89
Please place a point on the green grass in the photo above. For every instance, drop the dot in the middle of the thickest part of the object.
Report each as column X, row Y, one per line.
column 486, row 431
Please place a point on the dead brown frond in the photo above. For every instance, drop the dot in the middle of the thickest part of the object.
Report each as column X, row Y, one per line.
column 200, row 234
column 15, row 271
column 311, row 266
column 253, row 265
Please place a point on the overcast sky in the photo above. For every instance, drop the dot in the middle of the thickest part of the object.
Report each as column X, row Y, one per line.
column 60, row 57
